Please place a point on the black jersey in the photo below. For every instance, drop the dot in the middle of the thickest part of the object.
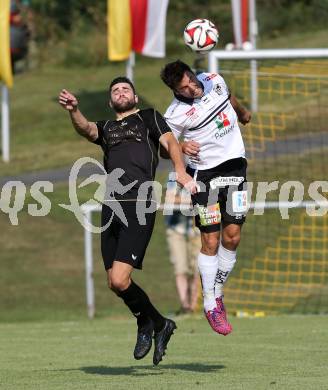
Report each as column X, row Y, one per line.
column 132, row 144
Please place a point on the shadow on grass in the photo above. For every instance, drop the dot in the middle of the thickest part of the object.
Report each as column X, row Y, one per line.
column 139, row 370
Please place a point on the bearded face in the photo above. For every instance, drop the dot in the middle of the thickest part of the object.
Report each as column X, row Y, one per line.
column 122, row 98
column 123, row 105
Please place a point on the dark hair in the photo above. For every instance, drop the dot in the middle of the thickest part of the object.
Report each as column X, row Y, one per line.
column 173, row 73
column 121, row 79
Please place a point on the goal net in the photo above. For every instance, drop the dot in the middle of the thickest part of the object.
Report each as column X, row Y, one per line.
column 282, row 259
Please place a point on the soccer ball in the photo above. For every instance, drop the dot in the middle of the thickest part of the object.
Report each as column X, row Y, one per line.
column 247, row 46
column 201, row 35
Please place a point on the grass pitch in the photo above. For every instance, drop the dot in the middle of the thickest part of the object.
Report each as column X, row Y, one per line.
column 285, row 352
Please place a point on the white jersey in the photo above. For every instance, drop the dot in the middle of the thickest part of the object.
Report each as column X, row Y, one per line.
column 210, row 120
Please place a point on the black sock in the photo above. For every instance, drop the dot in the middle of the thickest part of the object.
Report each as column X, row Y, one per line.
column 138, row 302
column 134, row 303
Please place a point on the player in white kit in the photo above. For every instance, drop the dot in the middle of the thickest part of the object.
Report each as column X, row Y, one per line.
column 204, row 117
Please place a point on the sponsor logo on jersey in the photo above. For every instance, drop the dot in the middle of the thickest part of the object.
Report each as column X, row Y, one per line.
column 223, row 124
column 191, row 111
column 218, row 89
column 224, row 181
column 239, row 202
column 210, row 77
column 209, row 215
column 222, row 132
column 222, row 120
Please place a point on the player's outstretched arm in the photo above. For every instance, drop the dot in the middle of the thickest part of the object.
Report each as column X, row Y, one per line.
column 170, row 144
column 163, row 152
column 85, row 128
column 244, row 116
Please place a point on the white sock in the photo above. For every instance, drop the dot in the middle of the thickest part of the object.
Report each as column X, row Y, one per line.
column 226, row 262
column 208, row 266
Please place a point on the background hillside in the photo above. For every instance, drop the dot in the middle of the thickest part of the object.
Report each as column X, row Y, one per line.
column 66, row 31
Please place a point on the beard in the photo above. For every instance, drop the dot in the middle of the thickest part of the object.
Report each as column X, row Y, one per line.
column 123, row 106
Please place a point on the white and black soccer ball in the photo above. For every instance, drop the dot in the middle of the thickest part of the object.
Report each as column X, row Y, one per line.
column 201, row 35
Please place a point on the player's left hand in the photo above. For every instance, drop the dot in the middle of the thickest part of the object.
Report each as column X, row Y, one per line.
column 245, row 117
column 187, row 182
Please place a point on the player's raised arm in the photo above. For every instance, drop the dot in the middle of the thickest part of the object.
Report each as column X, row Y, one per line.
column 85, row 128
column 244, row 116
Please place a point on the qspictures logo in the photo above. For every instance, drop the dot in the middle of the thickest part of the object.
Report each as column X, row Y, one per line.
column 289, row 194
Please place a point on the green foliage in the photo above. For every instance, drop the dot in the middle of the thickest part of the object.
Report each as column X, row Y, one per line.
column 70, row 32
column 74, row 31
column 277, row 17
column 182, row 12
column 65, row 12
column 86, row 46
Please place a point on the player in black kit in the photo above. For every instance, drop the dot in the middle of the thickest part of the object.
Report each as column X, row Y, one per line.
column 130, row 146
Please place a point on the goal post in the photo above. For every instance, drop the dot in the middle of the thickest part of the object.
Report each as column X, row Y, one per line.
column 283, row 265
column 253, row 55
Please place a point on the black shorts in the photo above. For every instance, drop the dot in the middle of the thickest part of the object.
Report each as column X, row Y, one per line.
column 223, row 196
column 126, row 244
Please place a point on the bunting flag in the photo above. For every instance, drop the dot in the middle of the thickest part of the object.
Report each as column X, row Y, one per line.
column 5, row 61
column 137, row 25
column 119, row 29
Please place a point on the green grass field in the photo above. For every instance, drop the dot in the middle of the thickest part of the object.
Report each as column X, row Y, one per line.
column 285, row 352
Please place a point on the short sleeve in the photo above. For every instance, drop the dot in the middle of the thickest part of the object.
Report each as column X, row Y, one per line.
column 174, row 120
column 159, row 125
column 100, row 127
column 223, row 83
column 176, row 129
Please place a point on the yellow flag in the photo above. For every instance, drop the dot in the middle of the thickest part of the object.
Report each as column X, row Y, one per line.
column 5, row 63
column 119, row 29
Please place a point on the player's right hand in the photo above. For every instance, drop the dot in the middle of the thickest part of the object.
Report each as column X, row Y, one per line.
column 191, row 148
column 67, row 100
column 245, row 117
